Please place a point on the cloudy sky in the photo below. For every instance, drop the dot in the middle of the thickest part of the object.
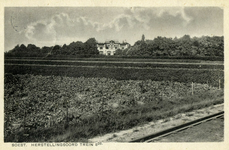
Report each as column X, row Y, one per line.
column 48, row 26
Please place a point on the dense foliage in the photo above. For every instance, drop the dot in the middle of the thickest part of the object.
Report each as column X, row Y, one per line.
column 37, row 102
column 196, row 47
column 184, row 46
column 75, row 48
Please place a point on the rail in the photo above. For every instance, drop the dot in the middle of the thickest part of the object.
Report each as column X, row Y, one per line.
column 184, row 126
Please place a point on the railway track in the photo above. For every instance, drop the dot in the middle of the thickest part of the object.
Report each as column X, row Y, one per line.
column 152, row 137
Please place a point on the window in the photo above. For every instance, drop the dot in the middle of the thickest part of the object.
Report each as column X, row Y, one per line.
column 101, row 47
column 108, row 52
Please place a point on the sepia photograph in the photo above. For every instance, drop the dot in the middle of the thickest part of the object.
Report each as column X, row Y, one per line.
column 113, row 75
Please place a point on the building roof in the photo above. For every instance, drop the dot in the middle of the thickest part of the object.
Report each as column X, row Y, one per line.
column 124, row 43
column 109, row 41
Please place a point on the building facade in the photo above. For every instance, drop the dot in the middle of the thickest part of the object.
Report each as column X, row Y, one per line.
column 109, row 47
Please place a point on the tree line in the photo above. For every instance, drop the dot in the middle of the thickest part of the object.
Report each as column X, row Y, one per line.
column 184, row 46
column 87, row 48
column 159, row 46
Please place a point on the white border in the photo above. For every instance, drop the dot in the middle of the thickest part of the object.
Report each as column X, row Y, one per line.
column 123, row 3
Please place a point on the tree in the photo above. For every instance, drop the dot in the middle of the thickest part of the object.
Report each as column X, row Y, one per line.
column 196, row 43
column 56, row 49
column 137, row 43
column 118, row 52
column 16, row 48
column 23, row 48
column 77, row 48
column 45, row 49
column 32, row 47
column 91, row 46
column 143, row 37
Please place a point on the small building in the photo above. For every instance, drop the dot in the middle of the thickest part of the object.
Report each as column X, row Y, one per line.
column 109, row 47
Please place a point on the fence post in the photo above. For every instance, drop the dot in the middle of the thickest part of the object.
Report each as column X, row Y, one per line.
column 219, row 83
column 24, row 121
column 192, row 88
column 49, row 122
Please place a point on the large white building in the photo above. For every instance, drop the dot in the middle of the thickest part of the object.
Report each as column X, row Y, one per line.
column 109, row 47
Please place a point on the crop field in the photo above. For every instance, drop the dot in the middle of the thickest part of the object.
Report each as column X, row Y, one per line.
column 47, row 104
column 207, row 76
column 74, row 102
column 125, row 58
column 189, row 65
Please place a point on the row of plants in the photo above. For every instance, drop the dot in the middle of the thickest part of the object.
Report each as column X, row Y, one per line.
column 46, row 106
column 122, row 58
column 116, row 64
column 211, row 77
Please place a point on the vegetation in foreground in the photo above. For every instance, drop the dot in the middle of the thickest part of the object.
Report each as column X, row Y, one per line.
column 205, row 76
column 55, row 108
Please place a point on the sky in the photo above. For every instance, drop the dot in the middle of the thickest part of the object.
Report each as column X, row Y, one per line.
column 49, row 26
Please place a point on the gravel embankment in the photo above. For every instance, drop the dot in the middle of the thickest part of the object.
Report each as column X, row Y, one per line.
column 156, row 126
